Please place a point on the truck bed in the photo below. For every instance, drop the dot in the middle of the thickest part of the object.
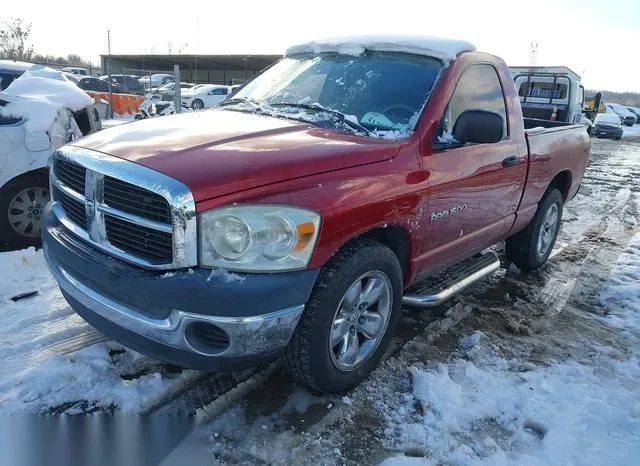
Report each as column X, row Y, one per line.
column 560, row 149
column 531, row 123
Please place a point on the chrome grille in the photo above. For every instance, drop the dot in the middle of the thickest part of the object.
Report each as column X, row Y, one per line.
column 154, row 246
column 135, row 200
column 109, row 204
column 71, row 175
column 73, row 208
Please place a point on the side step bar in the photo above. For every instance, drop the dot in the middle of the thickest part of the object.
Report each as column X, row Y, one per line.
column 437, row 289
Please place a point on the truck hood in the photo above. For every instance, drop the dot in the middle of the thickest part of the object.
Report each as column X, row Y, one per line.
column 219, row 152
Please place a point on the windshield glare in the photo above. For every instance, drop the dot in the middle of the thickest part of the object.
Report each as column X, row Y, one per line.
column 383, row 92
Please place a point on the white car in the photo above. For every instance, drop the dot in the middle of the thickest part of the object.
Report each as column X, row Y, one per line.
column 156, row 80
column 204, row 96
column 80, row 72
column 166, row 92
column 10, row 70
column 39, row 112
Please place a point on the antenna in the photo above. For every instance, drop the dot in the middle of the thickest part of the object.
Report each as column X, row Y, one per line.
column 533, row 56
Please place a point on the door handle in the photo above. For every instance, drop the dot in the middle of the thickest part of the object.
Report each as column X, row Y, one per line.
column 510, row 161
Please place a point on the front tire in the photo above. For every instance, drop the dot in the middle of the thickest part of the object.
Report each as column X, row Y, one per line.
column 530, row 248
column 22, row 201
column 349, row 320
column 197, row 104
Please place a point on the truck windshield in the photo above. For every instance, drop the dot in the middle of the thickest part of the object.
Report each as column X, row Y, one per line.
column 378, row 94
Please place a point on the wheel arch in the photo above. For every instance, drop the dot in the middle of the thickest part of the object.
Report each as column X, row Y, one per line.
column 395, row 237
column 39, row 173
column 562, row 182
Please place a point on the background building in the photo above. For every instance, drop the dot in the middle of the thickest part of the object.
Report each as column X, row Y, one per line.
column 214, row 69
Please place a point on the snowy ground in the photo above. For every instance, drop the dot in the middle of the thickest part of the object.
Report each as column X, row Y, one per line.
column 538, row 368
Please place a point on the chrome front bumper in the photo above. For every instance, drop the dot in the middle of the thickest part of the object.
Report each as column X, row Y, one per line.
column 247, row 335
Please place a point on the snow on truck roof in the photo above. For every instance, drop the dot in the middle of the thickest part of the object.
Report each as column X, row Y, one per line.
column 444, row 49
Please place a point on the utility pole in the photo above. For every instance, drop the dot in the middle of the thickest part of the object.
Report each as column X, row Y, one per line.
column 109, row 74
column 533, row 56
column 195, row 77
column 177, row 97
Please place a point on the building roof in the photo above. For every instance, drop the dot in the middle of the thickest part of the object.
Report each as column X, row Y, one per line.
column 438, row 47
column 227, row 62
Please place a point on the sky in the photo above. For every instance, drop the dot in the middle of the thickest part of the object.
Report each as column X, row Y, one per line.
column 599, row 40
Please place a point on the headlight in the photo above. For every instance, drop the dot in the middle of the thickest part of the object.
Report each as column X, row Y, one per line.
column 258, row 238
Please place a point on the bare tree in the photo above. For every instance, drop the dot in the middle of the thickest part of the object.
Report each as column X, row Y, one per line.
column 13, row 40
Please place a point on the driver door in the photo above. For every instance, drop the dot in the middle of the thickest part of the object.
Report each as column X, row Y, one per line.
column 474, row 188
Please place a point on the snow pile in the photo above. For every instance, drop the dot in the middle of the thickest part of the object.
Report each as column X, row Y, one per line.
column 484, row 411
column 444, row 49
column 481, row 408
column 53, row 360
column 621, row 295
column 38, row 96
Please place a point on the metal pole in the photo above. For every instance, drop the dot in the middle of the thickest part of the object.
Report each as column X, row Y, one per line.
column 109, row 74
column 177, row 98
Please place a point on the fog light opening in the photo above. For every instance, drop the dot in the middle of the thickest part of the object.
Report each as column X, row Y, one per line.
column 206, row 338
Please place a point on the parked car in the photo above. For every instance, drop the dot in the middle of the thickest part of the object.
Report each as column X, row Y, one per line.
column 625, row 115
column 71, row 77
column 115, row 85
column 76, row 70
column 39, row 112
column 636, row 112
column 295, row 219
column 11, row 70
column 127, row 84
column 155, row 80
column 204, row 96
column 607, row 125
column 166, row 92
column 90, row 83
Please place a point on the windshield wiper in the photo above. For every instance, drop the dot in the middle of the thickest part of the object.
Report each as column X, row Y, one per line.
column 341, row 117
column 240, row 100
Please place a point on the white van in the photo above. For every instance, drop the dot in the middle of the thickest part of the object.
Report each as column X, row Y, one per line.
column 550, row 93
column 76, row 71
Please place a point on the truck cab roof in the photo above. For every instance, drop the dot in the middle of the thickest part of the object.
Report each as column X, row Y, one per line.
column 442, row 48
column 545, row 70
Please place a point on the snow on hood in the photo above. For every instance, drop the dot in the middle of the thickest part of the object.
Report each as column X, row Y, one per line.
column 38, row 95
column 444, row 49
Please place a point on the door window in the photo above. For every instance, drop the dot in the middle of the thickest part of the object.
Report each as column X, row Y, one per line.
column 478, row 89
column 218, row 91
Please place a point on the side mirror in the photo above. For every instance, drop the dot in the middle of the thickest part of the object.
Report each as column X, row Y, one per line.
column 479, row 127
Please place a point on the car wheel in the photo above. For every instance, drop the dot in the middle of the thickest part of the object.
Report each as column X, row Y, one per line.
column 197, row 104
column 349, row 319
column 530, row 248
column 22, row 201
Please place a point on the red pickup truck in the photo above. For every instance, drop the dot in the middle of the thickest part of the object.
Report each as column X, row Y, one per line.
column 296, row 218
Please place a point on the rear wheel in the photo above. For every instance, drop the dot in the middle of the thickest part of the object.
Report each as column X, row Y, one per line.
column 531, row 248
column 349, row 319
column 22, row 201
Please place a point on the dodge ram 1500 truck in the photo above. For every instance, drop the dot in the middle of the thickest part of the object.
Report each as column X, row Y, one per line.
column 296, row 218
